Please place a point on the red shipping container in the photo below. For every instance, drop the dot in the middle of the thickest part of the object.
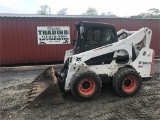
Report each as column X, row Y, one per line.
column 19, row 44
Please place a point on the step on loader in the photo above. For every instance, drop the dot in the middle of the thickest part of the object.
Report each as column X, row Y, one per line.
column 100, row 54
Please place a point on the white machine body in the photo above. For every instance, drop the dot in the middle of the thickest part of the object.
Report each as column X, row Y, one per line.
column 139, row 40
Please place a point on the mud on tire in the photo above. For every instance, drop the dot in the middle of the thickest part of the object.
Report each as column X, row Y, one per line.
column 86, row 85
column 126, row 82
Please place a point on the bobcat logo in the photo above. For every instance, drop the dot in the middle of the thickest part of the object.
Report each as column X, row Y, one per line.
column 78, row 58
column 140, row 62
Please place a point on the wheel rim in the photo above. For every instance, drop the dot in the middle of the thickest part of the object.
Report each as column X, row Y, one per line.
column 87, row 86
column 129, row 84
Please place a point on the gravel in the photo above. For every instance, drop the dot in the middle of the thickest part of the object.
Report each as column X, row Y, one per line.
column 144, row 105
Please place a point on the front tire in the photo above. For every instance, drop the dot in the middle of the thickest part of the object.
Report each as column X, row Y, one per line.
column 86, row 85
column 126, row 82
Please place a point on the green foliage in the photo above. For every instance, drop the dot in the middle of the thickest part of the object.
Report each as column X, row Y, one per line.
column 108, row 14
column 103, row 14
column 91, row 11
column 44, row 9
column 151, row 13
column 62, row 12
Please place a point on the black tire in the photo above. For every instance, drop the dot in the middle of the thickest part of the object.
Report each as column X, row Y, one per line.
column 126, row 82
column 86, row 85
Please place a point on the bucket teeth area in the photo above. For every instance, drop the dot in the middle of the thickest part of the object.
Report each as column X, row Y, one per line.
column 33, row 84
column 37, row 91
column 44, row 90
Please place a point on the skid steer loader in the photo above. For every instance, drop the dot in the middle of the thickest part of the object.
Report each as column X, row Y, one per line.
column 100, row 54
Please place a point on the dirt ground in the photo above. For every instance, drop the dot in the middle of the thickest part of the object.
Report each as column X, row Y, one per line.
column 108, row 106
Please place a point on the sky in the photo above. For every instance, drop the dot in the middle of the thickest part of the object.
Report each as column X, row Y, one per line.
column 121, row 8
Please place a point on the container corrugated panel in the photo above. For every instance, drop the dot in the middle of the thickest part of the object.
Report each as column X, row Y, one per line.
column 18, row 37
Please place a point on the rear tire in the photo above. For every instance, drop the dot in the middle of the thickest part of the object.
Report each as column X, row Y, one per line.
column 126, row 82
column 86, row 85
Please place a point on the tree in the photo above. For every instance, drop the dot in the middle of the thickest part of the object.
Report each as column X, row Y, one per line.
column 44, row 9
column 154, row 11
column 103, row 14
column 108, row 14
column 62, row 12
column 151, row 13
column 91, row 11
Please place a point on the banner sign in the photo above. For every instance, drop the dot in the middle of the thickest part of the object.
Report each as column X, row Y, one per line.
column 53, row 34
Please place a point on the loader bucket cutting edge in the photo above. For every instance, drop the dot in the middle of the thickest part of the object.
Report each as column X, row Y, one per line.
column 44, row 90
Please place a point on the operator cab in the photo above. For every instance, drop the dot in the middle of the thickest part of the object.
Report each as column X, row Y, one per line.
column 91, row 35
